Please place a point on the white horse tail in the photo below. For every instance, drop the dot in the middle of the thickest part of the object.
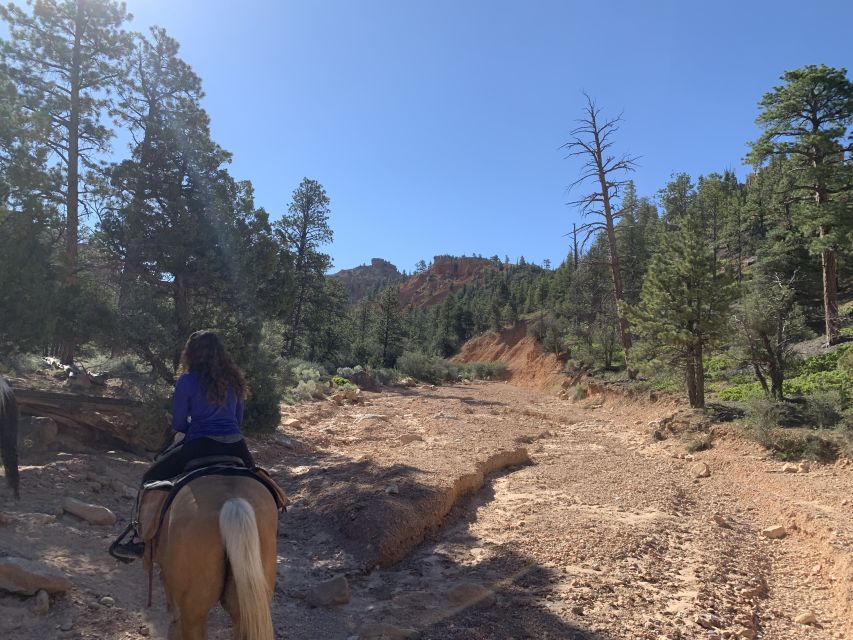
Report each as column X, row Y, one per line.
column 239, row 531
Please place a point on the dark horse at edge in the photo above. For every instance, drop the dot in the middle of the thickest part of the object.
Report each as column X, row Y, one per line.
column 9, row 436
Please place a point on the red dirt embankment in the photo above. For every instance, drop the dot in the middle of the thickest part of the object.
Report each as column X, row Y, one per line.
column 526, row 364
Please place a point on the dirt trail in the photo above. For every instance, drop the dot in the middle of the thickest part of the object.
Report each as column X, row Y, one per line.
column 482, row 511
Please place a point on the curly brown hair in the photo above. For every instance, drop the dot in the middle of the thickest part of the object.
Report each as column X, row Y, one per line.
column 205, row 355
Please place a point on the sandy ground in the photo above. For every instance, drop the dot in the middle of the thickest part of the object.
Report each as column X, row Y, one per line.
column 565, row 520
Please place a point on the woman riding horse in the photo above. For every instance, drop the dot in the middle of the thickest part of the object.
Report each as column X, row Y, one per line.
column 207, row 411
column 217, row 541
column 9, row 436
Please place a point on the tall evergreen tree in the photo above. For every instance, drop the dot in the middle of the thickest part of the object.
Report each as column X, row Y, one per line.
column 807, row 120
column 65, row 58
column 305, row 229
column 389, row 326
column 684, row 303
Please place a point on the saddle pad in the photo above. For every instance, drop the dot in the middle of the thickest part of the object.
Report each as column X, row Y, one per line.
column 157, row 496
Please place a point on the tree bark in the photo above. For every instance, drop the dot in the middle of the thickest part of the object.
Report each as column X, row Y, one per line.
column 618, row 293
column 829, row 262
column 72, row 195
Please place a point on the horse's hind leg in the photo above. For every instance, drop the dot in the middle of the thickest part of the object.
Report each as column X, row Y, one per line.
column 231, row 605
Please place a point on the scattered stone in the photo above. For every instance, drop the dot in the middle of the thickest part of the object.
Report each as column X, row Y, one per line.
column 789, row 467
column 745, row 632
column 107, row 601
column 408, row 438
column 700, row 470
column 285, row 442
column 392, row 489
column 66, row 626
column 721, row 521
column 806, row 618
column 804, row 467
column 371, row 416
column 26, row 577
column 42, row 605
column 471, row 594
column 144, row 631
column 383, row 631
column 96, row 514
column 292, row 423
column 329, row 592
column 775, row 532
column 708, row 621
column 408, row 382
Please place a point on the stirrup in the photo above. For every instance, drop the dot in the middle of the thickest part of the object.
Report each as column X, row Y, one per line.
column 126, row 551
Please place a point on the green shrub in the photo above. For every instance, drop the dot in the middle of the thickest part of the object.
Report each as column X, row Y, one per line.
column 823, row 362
column 339, row 381
column 800, row 447
column 824, row 409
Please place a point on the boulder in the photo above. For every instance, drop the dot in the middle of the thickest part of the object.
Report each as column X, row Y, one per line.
column 774, row 533
column 806, row 618
column 329, row 592
column 27, row 578
column 42, row 605
column 94, row 513
column 471, row 594
column 700, row 470
column 292, row 423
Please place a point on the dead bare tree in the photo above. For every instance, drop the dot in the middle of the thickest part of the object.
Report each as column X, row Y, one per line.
column 604, row 172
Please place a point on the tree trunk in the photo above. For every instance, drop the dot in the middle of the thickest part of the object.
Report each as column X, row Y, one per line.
column 624, row 332
column 690, row 378
column 183, row 323
column 72, row 203
column 829, row 263
column 699, row 373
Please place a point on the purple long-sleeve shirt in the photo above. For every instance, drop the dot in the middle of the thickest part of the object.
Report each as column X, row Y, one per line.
column 198, row 417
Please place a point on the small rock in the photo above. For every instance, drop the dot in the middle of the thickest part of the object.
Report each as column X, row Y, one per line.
column 804, row 467
column 806, row 618
column 26, row 577
column 708, row 622
column 471, row 594
column 292, row 423
column 329, row 592
column 107, row 601
column 745, row 632
column 408, row 438
column 700, row 470
column 42, row 605
column 93, row 513
column 408, row 382
column 721, row 521
column 371, row 416
column 66, row 626
column 789, row 467
column 392, row 489
column 144, row 631
column 774, row 533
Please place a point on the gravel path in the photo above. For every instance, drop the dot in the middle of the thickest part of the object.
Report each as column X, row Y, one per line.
column 516, row 515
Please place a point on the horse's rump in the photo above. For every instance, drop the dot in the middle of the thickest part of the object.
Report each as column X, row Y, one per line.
column 218, row 543
column 9, row 436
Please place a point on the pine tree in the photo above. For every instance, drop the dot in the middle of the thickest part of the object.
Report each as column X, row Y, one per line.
column 807, row 120
column 304, row 230
column 389, row 326
column 684, row 303
column 65, row 58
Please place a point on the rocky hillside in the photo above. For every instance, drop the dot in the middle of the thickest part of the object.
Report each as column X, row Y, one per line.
column 365, row 279
column 445, row 275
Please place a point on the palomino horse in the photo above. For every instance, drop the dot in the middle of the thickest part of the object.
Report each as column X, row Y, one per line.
column 218, row 543
column 9, row 436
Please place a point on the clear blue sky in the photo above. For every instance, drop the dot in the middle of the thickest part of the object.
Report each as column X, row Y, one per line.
column 435, row 125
